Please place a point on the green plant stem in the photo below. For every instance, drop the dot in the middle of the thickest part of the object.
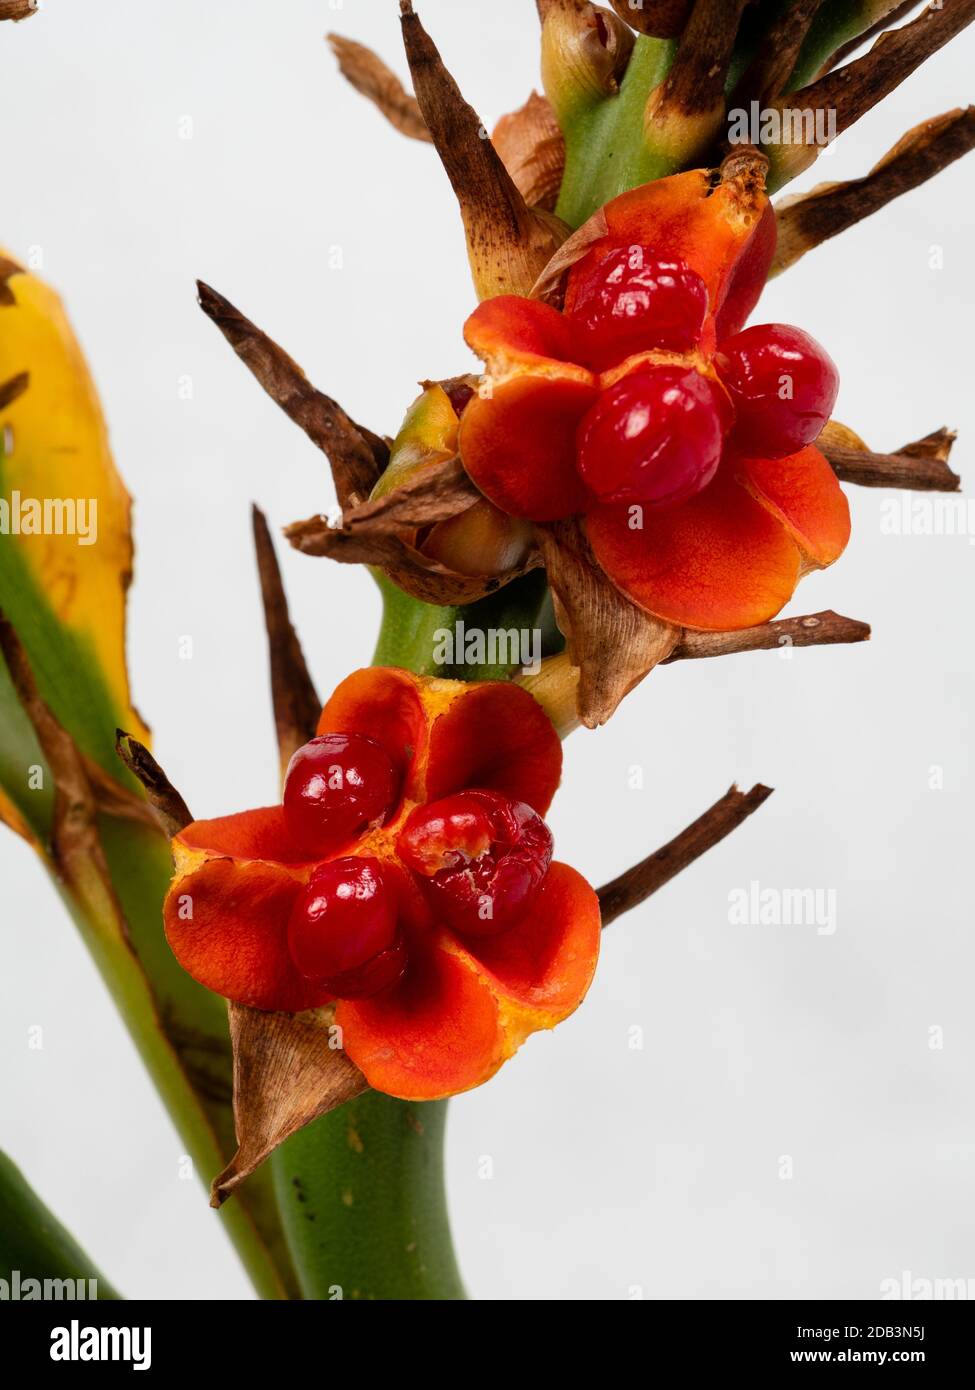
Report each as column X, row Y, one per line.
column 361, row 1195
column 361, row 1191
column 606, row 148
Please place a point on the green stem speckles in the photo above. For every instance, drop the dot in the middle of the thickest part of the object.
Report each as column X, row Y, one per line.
column 361, row 1194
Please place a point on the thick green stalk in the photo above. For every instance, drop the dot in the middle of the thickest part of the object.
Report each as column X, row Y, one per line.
column 606, row 148
column 361, row 1195
column 361, row 1191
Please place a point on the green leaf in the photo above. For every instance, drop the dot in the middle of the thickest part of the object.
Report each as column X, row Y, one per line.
column 65, row 600
column 34, row 1245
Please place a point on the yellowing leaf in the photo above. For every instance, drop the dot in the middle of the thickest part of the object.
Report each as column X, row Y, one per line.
column 65, row 542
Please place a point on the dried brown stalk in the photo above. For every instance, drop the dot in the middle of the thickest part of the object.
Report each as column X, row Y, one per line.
column 296, row 704
column 887, row 14
column 613, row 643
column 556, row 685
column 83, row 789
column 370, row 76
column 508, row 242
column 807, row 221
column 814, row 630
column 351, row 451
column 767, row 75
column 286, row 1074
column 921, row 466
column 851, row 91
column 637, row 884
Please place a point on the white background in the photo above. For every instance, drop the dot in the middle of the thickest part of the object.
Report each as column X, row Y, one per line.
column 614, row 1169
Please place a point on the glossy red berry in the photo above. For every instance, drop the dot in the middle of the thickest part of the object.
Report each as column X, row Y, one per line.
column 343, row 931
column 783, row 385
column 634, row 302
column 336, row 786
column 655, row 437
column 481, row 858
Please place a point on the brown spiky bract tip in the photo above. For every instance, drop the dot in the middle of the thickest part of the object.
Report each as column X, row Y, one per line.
column 369, row 75
column 356, row 455
column 296, row 703
column 508, row 242
column 170, row 809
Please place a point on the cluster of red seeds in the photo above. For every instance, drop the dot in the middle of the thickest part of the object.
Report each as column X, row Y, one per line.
column 478, row 856
column 657, row 435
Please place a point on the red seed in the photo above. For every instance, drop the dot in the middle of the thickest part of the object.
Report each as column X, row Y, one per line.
column 783, row 385
column 480, row 856
column 634, row 302
column 343, row 932
column 336, row 786
column 654, row 438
